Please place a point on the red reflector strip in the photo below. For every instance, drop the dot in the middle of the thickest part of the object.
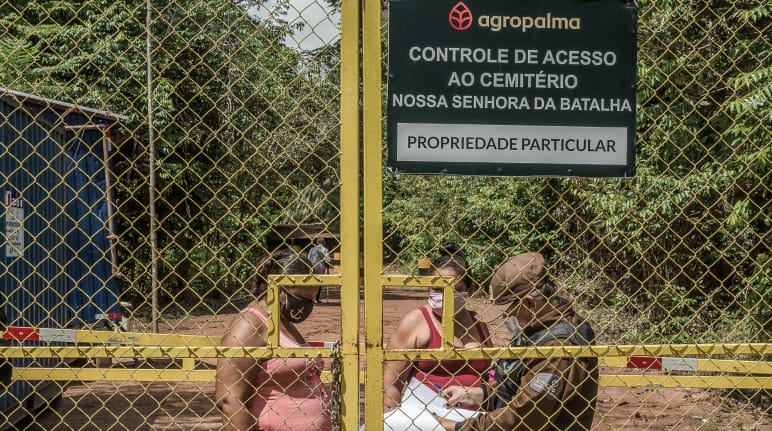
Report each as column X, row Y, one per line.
column 327, row 344
column 109, row 316
column 21, row 333
column 645, row 362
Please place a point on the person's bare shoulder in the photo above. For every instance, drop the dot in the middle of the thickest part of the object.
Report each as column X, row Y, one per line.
column 246, row 329
column 413, row 317
column 412, row 331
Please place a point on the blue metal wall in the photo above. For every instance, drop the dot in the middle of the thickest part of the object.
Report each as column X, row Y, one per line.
column 96, row 291
column 63, row 278
column 34, row 283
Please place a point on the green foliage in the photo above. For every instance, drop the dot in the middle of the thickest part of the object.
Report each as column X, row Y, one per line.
column 694, row 216
column 245, row 136
column 490, row 217
column 235, row 113
column 689, row 235
column 18, row 55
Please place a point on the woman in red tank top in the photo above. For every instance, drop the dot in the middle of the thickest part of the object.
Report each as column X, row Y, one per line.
column 421, row 327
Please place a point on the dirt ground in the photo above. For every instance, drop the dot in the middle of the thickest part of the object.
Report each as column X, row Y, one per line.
column 190, row 406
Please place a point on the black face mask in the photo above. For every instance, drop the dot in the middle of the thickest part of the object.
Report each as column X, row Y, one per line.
column 296, row 309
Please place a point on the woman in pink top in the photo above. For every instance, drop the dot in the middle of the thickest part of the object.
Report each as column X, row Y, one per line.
column 278, row 393
column 420, row 328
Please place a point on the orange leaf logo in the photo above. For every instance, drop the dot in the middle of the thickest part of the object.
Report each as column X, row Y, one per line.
column 460, row 17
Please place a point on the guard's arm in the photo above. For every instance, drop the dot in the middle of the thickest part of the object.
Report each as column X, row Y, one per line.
column 544, row 386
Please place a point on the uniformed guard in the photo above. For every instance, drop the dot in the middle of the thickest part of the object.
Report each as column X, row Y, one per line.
column 542, row 394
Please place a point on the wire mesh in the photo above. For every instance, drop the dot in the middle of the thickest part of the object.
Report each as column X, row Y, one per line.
column 155, row 153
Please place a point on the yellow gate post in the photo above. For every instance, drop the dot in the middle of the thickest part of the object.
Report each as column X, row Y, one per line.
column 349, row 202
column 373, row 221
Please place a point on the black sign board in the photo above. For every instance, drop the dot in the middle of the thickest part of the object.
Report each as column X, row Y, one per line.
column 503, row 87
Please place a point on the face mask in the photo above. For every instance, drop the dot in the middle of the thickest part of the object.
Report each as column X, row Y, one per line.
column 512, row 325
column 296, row 309
column 435, row 300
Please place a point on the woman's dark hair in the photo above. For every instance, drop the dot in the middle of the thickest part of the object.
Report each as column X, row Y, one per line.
column 281, row 261
column 452, row 256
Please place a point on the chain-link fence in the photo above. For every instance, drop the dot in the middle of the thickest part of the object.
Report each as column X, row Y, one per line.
column 162, row 159
column 659, row 260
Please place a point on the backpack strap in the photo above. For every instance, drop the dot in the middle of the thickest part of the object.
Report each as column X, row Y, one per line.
column 508, row 372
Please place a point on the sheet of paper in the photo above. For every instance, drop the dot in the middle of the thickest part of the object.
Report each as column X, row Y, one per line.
column 415, row 411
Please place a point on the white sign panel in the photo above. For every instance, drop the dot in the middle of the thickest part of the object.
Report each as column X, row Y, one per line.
column 424, row 142
column 14, row 225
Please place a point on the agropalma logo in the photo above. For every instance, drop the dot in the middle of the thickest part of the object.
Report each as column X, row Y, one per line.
column 461, row 18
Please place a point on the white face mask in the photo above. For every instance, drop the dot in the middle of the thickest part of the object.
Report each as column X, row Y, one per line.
column 460, row 298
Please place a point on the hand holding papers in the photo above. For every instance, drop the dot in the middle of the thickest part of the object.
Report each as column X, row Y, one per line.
column 419, row 402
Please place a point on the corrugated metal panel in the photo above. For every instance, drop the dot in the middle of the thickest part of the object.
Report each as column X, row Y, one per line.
column 33, row 282
column 95, row 291
column 34, row 175
column 55, row 173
